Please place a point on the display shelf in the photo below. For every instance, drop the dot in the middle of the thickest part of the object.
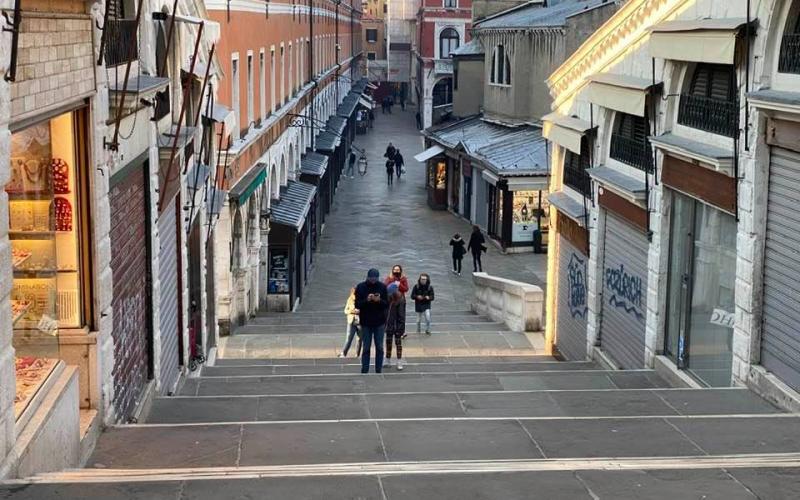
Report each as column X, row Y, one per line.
column 31, row 235
column 35, row 274
column 31, row 374
column 19, row 257
column 30, row 195
column 18, row 309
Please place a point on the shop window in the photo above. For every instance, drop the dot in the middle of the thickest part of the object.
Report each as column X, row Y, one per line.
column 449, row 41
column 278, row 271
column 437, row 175
column 710, row 103
column 45, row 214
column 531, row 212
column 789, row 59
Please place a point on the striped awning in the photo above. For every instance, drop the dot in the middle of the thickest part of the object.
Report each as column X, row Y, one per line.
column 293, row 206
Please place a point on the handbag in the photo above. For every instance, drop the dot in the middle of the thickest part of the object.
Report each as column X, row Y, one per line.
column 484, row 248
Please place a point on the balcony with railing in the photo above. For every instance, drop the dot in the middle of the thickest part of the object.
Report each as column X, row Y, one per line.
column 634, row 152
column 576, row 177
column 121, row 44
column 709, row 114
column 789, row 60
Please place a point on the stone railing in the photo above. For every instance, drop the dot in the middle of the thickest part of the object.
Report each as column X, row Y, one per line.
column 518, row 305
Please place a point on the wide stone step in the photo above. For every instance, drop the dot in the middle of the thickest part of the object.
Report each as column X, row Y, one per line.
column 602, row 478
column 627, row 403
column 411, row 360
column 338, row 317
column 339, row 327
column 354, row 367
column 392, row 382
column 367, row 441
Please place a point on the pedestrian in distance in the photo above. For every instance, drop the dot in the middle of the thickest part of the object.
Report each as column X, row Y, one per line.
column 398, row 279
column 351, row 164
column 458, row 252
column 371, row 115
column 395, row 325
column 372, row 303
column 419, row 121
column 422, row 295
column 351, row 314
column 477, row 245
column 403, row 102
column 389, row 172
column 399, row 163
column 384, row 105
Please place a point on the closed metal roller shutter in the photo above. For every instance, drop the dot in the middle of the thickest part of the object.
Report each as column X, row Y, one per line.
column 780, row 342
column 572, row 306
column 130, row 270
column 168, row 313
column 624, row 309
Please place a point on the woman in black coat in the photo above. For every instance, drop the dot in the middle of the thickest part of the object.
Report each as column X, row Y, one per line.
column 458, row 252
column 422, row 294
column 477, row 245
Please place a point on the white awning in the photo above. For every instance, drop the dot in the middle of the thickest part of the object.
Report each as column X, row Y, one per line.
column 623, row 93
column 429, row 153
column 211, row 29
column 528, row 183
column 366, row 102
column 703, row 40
column 565, row 131
column 490, row 177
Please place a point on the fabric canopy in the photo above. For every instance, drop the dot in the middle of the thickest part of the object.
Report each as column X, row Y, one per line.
column 619, row 92
column 705, row 40
column 565, row 131
column 248, row 183
column 429, row 153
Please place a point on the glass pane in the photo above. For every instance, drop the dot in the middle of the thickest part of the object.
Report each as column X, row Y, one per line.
column 680, row 254
column 712, row 311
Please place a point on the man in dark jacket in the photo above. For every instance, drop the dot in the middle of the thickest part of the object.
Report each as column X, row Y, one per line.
column 398, row 162
column 372, row 303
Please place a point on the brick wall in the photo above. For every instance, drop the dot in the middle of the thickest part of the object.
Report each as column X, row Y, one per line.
column 54, row 62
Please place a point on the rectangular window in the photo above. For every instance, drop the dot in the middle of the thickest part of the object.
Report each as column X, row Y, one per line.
column 262, row 85
column 250, row 91
column 372, row 35
column 450, row 4
column 272, row 102
column 371, row 56
column 235, row 93
column 283, row 75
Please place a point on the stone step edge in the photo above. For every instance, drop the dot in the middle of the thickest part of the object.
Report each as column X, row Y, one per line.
column 410, row 363
column 249, row 423
column 393, row 371
column 698, row 462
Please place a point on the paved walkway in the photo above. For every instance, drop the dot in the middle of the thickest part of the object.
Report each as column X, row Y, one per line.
column 375, row 225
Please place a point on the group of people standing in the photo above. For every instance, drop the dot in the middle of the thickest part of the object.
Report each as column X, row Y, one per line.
column 395, row 164
column 376, row 312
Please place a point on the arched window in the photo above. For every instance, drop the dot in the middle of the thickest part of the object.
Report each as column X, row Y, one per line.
column 501, row 66
column 443, row 92
column 448, row 42
column 789, row 61
column 710, row 102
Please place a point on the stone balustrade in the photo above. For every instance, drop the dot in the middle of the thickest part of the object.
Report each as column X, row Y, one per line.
column 519, row 305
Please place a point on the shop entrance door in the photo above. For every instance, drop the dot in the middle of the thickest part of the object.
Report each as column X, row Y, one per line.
column 196, row 348
column 702, row 278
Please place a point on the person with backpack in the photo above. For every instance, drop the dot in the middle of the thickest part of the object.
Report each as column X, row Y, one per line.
column 399, row 163
column 458, row 252
column 422, row 295
column 477, row 245
column 351, row 313
column 372, row 303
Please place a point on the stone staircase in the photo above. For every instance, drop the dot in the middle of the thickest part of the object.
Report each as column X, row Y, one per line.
column 515, row 424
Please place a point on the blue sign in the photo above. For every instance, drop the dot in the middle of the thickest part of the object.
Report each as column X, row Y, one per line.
column 626, row 291
column 576, row 274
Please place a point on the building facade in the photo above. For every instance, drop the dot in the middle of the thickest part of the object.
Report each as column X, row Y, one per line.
column 672, row 169
column 442, row 27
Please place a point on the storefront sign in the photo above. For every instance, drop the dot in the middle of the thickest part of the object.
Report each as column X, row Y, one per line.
column 576, row 275
column 627, row 291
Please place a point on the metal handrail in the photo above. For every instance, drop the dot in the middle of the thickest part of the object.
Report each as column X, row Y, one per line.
column 633, row 152
column 707, row 113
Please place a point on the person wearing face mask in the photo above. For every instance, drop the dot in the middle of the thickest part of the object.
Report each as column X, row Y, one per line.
column 397, row 277
column 395, row 325
column 422, row 295
column 372, row 303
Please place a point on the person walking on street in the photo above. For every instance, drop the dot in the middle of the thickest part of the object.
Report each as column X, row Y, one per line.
column 398, row 279
column 351, row 313
column 458, row 252
column 395, row 325
column 391, row 104
column 371, row 115
column 422, row 295
column 351, row 163
column 389, row 172
column 399, row 163
column 403, row 101
column 372, row 303
column 477, row 245
column 419, row 121
column 390, row 151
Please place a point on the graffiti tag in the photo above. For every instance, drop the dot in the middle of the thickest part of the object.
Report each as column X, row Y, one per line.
column 627, row 291
column 576, row 273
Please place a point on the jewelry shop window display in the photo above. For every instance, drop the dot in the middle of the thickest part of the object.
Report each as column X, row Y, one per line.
column 530, row 213
column 43, row 230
